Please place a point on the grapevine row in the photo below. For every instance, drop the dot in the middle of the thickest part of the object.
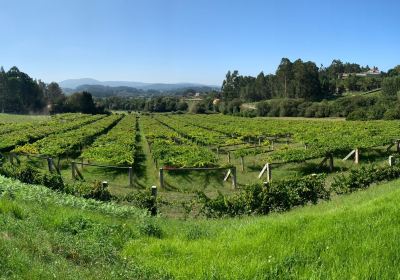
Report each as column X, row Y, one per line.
column 37, row 131
column 117, row 146
column 68, row 143
column 170, row 149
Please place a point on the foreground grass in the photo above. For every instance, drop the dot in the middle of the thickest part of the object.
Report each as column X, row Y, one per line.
column 45, row 235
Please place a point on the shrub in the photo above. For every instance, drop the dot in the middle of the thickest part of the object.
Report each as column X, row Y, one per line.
column 362, row 178
column 142, row 199
column 260, row 199
column 149, row 227
column 30, row 175
column 93, row 190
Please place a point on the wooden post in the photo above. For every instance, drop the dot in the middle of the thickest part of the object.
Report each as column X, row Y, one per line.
column 259, row 141
column 227, row 175
column 50, row 164
column 233, row 175
column 391, row 160
column 305, row 146
column 242, row 163
column 161, row 174
column 272, row 145
column 217, row 151
column 269, row 173
column 357, row 156
column 398, row 146
column 154, row 196
column 130, row 173
column 104, row 186
column 73, row 170
column 331, row 162
column 229, row 157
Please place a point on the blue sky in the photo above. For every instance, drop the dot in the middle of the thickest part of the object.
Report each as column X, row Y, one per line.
column 191, row 41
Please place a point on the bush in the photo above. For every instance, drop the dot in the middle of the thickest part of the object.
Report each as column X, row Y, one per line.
column 362, row 178
column 260, row 199
column 93, row 190
column 149, row 227
column 30, row 175
column 142, row 199
column 358, row 114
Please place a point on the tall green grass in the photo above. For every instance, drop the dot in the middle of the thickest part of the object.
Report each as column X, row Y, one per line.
column 350, row 237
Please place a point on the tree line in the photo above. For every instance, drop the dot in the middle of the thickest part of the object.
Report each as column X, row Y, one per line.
column 299, row 79
column 21, row 94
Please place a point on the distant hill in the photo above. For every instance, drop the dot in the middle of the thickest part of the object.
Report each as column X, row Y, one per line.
column 107, row 91
column 73, row 84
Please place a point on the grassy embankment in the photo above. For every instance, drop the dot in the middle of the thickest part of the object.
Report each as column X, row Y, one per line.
column 45, row 235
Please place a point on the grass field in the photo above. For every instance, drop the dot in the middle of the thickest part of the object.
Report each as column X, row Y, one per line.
column 10, row 118
column 58, row 236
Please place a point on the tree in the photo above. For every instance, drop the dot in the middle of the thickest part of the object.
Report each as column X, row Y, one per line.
column 3, row 89
column 81, row 102
column 230, row 86
column 54, row 93
column 284, row 75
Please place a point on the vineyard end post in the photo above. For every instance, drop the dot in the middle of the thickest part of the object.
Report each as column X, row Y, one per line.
column 357, row 156
column 50, row 164
column 269, row 173
column 154, row 197
column 73, row 170
column 234, row 179
column 130, row 173
column 391, row 160
column 161, row 174
column 331, row 162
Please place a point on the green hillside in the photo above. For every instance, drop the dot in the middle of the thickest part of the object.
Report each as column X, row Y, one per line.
column 46, row 235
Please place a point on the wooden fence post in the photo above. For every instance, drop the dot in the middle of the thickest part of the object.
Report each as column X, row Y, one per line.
column 233, row 175
column 331, row 162
column 73, row 170
column 269, row 173
column 242, row 163
column 50, row 164
column 229, row 157
column 357, row 156
column 272, row 145
column 161, row 174
column 154, row 196
column 130, row 173
column 391, row 160
column 104, row 186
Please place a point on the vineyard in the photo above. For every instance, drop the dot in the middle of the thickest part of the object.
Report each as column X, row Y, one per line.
column 184, row 154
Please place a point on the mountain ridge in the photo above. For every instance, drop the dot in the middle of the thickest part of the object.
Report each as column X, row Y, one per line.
column 75, row 83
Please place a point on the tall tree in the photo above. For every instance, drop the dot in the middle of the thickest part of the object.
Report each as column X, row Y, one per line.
column 230, row 86
column 284, row 75
column 3, row 89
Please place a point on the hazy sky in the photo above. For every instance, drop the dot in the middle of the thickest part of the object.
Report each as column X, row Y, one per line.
column 191, row 41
